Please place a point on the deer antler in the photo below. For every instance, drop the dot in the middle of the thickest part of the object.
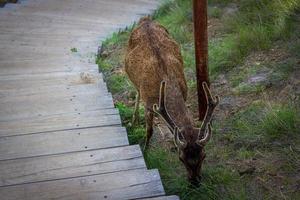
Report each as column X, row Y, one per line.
column 163, row 113
column 161, row 109
column 203, row 141
column 177, row 141
column 204, row 134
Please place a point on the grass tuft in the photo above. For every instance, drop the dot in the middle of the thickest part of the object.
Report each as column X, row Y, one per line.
column 263, row 121
column 74, row 50
column 136, row 134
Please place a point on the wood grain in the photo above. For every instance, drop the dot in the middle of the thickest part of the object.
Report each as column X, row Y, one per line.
column 67, row 121
column 86, row 163
column 130, row 184
column 61, row 142
column 60, row 134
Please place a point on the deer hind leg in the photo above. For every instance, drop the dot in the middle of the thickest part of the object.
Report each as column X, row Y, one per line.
column 136, row 115
column 149, row 127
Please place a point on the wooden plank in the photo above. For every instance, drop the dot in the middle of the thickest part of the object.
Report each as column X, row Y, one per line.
column 47, row 17
column 43, row 105
column 48, row 39
column 56, row 78
column 41, row 65
column 106, row 117
column 61, row 142
column 68, row 90
column 29, row 21
column 86, row 163
column 40, row 100
column 47, row 45
column 130, row 184
column 32, row 55
column 51, row 148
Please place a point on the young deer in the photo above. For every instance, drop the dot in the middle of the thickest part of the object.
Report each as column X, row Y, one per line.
column 154, row 65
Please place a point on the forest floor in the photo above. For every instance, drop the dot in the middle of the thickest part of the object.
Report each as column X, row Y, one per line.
column 254, row 52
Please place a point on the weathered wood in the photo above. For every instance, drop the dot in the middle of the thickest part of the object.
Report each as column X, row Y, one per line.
column 38, row 66
column 130, row 184
column 106, row 117
column 58, row 89
column 42, row 105
column 47, row 79
column 61, row 142
column 70, row 165
column 60, row 135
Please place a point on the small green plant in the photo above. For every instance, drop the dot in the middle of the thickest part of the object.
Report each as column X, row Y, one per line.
column 214, row 12
column 247, row 88
column 136, row 133
column 223, row 55
column 74, row 50
column 104, row 65
column 280, row 120
column 118, row 83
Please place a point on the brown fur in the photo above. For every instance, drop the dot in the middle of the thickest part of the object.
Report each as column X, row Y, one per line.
column 153, row 57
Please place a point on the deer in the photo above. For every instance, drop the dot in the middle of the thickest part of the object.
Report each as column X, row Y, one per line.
column 154, row 65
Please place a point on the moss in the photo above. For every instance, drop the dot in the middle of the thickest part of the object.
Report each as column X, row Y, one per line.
column 74, row 50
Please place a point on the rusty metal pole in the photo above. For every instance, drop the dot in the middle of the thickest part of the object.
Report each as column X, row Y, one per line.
column 201, row 51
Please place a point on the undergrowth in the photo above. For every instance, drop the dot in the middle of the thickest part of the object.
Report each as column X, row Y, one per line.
column 262, row 132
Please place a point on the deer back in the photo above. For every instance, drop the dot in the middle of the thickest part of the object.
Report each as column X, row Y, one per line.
column 152, row 56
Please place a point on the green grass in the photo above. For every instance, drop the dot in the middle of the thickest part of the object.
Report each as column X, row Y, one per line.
column 74, row 50
column 215, row 179
column 136, row 134
column 262, row 122
column 252, row 130
column 280, row 120
column 176, row 16
column 214, row 12
column 255, row 26
column 119, row 83
column 119, row 38
column 245, row 88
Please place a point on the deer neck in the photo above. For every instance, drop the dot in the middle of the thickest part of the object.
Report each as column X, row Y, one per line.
column 176, row 105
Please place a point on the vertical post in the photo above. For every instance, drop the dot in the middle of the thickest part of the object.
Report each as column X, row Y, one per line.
column 201, row 52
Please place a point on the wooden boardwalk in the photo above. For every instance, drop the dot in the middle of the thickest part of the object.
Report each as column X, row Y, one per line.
column 60, row 135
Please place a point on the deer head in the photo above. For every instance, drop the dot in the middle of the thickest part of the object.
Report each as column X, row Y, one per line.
column 191, row 153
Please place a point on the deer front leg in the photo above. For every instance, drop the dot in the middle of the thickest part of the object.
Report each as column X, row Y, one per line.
column 136, row 116
column 149, row 127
